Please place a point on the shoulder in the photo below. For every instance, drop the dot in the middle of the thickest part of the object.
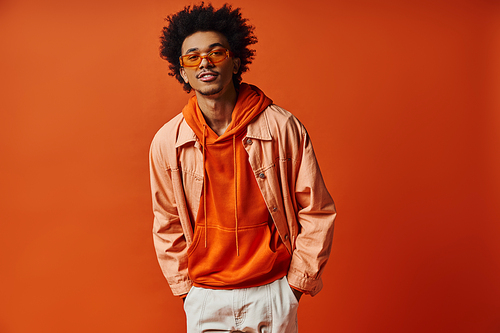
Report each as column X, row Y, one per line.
column 168, row 131
column 282, row 120
column 164, row 140
column 277, row 112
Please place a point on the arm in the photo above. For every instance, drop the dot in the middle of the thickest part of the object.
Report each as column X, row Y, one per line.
column 315, row 216
column 168, row 236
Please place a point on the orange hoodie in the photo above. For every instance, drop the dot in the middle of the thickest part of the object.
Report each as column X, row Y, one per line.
column 236, row 244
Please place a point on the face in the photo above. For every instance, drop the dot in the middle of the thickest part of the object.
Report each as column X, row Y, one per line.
column 209, row 79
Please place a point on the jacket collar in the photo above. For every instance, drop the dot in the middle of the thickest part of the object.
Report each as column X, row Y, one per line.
column 257, row 129
column 186, row 135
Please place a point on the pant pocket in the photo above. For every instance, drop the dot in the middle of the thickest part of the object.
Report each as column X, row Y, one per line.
column 188, row 296
column 286, row 285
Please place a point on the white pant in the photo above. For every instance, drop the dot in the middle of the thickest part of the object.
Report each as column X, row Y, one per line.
column 271, row 308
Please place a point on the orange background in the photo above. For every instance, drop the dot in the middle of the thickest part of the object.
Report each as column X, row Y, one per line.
column 403, row 107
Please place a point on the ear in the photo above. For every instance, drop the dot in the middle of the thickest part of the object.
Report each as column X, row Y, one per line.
column 236, row 65
column 183, row 74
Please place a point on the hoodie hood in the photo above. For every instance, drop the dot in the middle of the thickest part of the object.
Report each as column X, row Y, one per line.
column 251, row 101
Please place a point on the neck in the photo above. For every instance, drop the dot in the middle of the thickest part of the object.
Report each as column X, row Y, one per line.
column 218, row 109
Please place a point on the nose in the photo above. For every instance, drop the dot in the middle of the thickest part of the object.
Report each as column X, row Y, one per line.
column 205, row 63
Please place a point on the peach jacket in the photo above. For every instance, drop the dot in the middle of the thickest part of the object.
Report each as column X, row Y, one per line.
column 287, row 173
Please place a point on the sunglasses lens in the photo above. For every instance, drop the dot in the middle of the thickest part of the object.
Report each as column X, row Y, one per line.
column 191, row 60
column 217, row 55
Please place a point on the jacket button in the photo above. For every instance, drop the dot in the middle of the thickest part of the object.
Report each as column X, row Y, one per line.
column 262, row 175
column 286, row 237
column 249, row 141
column 275, row 209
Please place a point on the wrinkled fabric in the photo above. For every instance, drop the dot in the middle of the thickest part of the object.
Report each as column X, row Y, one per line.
column 282, row 158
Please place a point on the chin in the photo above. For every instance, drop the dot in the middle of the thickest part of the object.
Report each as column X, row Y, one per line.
column 210, row 91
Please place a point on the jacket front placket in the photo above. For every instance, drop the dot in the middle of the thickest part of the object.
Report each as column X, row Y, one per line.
column 259, row 145
column 190, row 160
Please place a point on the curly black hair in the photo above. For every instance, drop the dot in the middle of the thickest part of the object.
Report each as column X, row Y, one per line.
column 203, row 17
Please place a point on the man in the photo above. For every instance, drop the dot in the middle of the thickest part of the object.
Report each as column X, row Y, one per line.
column 243, row 222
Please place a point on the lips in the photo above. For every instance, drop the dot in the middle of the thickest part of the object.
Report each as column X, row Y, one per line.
column 207, row 76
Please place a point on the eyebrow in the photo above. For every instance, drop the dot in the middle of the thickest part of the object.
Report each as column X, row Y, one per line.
column 211, row 46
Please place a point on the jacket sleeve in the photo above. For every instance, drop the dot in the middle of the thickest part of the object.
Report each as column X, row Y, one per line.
column 168, row 237
column 315, row 217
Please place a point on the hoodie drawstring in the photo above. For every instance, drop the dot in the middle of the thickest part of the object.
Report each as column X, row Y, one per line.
column 205, row 184
column 235, row 196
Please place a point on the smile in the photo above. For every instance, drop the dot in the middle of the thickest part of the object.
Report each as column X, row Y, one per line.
column 207, row 76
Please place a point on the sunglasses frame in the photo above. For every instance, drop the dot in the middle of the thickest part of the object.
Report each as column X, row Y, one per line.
column 207, row 56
